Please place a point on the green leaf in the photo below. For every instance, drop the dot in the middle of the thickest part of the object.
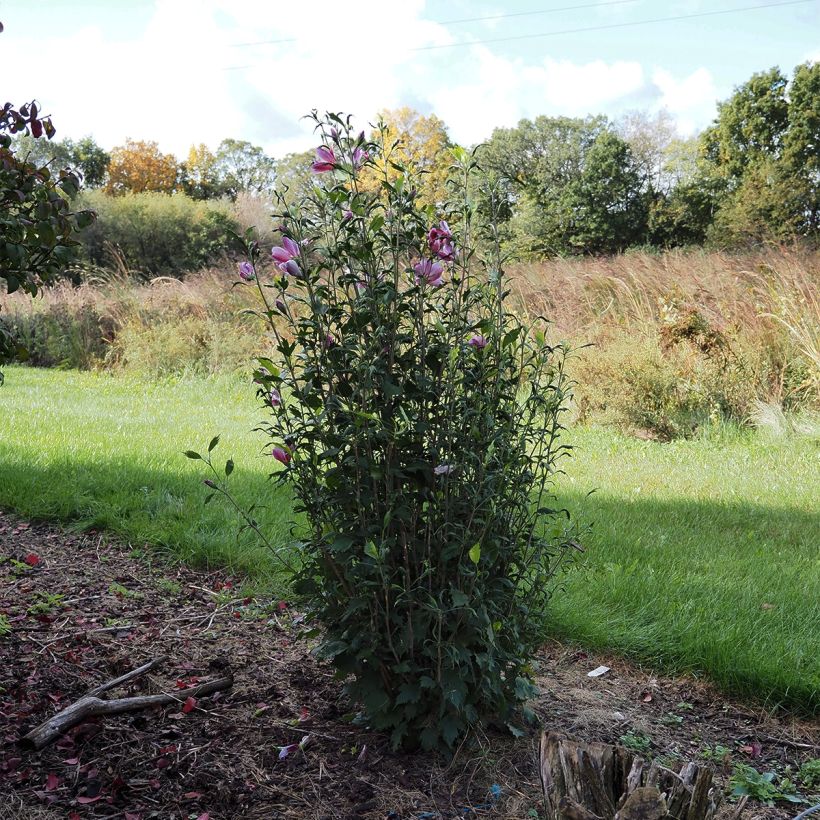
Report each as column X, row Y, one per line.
column 192, row 454
column 475, row 553
column 370, row 549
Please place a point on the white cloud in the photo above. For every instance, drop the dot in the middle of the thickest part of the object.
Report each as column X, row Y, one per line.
column 171, row 81
column 690, row 100
column 500, row 91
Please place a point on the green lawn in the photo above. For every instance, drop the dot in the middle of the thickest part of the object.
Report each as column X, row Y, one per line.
column 704, row 555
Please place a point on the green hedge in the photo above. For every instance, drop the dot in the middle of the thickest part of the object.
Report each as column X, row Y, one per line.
column 159, row 234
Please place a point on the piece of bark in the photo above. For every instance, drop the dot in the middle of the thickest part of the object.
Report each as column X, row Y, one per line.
column 128, row 676
column 645, row 803
column 90, row 706
column 571, row 810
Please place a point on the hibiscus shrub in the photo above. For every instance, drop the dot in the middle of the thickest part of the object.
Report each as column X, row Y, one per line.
column 418, row 423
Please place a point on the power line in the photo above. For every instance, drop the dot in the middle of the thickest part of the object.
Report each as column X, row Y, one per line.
column 532, row 13
column 469, row 19
column 604, row 27
column 611, row 25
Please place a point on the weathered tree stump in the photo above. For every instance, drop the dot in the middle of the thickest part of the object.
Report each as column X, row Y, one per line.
column 597, row 781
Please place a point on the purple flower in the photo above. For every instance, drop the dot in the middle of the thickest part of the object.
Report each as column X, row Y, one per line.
column 440, row 240
column 275, row 397
column 289, row 250
column 428, row 271
column 478, row 342
column 325, row 160
column 246, row 271
column 348, row 214
column 360, row 286
column 281, row 306
column 360, row 156
column 284, row 751
column 282, row 455
column 330, row 341
column 290, row 267
column 444, row 469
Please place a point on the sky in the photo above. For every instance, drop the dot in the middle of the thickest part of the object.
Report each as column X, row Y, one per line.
column 185, row 72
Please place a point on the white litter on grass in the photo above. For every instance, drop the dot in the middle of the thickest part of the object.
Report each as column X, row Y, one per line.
column 598, row 671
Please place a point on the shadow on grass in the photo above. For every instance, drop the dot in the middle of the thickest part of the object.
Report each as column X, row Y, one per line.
column 729, row 589
column 725, row 589
column 159, row 508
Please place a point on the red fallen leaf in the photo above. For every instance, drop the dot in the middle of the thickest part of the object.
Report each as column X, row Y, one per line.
column 303, row 713
column 192, row 795
column 130, row 816
column 74, row 816
column 85, row 800
column 32, row 559
column 189, row 705
column 204, row 816
column 237, row 614
column 72, row 761
column 168, row 750
column 52, row 781
column 753, row 749
column 162, row 763
column 282, row 605
column 154, row 784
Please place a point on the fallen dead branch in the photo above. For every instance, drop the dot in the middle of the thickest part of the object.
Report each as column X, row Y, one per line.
column 93, row 706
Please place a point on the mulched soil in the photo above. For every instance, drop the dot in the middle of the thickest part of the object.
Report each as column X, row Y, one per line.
column 84, row 609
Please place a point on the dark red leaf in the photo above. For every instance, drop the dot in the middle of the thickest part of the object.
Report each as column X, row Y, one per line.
column 32, row 559
column 52, row 781
column 192, row 795
column 84, row 800
column 189, row 705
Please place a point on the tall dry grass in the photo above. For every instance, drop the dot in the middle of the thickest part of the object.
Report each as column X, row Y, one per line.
column 678, row 340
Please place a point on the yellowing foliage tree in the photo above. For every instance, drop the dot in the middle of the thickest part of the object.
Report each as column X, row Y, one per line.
column 140, row 166
column 200, row 173
column 416, row 142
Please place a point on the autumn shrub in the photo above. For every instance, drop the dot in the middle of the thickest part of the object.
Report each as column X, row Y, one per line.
column 417, row 420
column 156, row 233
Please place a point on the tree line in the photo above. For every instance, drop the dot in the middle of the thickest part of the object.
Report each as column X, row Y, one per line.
column 560, row 185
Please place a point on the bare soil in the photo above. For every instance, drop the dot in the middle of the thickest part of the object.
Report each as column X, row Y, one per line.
column 84, row 609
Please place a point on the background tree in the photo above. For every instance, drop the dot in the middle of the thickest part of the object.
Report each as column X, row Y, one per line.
column 762, row 154
column 294, row 176
column 140, row 166
column 419, row 143
column 651, row 138
column 84, row 156
column 200, row 174
column 241, row 166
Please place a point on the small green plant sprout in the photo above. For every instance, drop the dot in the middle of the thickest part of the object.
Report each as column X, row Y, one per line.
column 671, row 719
column 120, row 591
column 45, row 602
column 765, row 787
column 637, row 741
column 417, row 419
column 717, row 753
column 168, row 586
column 5, row 626
column 809, row 775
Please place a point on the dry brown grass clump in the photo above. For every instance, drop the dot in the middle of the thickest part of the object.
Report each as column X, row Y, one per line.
column 684, row 337
column 678, row 340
